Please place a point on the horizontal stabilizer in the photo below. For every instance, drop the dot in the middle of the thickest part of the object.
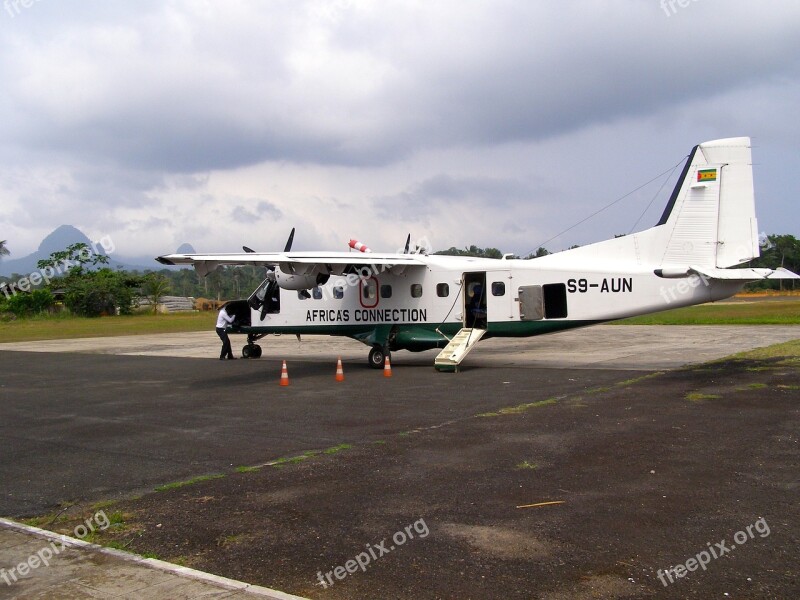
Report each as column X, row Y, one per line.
column 744, row 274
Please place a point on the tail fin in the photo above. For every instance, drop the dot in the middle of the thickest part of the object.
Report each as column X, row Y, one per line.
column 710, row 220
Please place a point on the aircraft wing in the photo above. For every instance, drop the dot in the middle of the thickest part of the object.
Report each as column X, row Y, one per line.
column 335, row 263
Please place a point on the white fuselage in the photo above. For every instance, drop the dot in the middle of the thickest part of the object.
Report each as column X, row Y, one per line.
column 438, row 297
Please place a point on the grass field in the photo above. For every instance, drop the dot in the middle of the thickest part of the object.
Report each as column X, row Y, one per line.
column 774, row 312
column 784, row 350
column 65, row 327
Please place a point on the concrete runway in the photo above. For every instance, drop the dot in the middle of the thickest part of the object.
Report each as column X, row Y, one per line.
column 88, row 420
column 105, row 417
column 82, row 428
column 603, row 346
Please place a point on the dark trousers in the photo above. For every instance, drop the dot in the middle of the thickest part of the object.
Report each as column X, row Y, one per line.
column 226, row 351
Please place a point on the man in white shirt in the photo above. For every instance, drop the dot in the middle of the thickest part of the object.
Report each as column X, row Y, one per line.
column 223, row 320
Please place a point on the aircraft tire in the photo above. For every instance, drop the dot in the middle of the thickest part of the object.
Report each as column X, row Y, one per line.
column 251, row 351
column 377, row 356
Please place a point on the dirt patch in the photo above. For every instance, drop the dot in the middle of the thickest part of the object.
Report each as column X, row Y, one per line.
column 498, row 542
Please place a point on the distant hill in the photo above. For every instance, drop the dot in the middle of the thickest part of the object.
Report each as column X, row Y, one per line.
column 64, row 236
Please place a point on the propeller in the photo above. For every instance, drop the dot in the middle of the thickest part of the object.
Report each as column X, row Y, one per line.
column 286, row 248
column 408, row 244
column 271, row 273
column 289, row 241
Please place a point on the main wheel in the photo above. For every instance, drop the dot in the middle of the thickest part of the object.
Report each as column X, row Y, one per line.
column 377, row 356
column 251, row 351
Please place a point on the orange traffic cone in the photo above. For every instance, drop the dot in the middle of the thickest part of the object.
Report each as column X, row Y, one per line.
column 284, row 374
column 339, row 370
column 387, row 367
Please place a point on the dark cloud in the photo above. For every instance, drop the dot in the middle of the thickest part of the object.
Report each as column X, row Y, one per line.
column 117, row 111
column 469, row 196
column 176, row 88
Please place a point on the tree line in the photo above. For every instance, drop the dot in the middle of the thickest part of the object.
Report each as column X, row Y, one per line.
column 777, row 251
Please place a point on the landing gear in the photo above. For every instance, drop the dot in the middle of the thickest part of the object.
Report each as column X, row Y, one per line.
column 251, row 351
column 377, row 356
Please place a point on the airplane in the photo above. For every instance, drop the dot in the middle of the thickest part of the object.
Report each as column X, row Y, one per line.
column 415, row 301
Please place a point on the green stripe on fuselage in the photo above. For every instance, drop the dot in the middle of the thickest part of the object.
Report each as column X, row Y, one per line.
column 423, row 336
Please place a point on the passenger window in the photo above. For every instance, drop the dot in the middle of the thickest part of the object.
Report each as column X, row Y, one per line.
column 416, row 290
column 338, row 293
column 370, row 289
column 498, row 288
column 316, row 293
column 386, row 291
column 302, row 295
column 442, row 290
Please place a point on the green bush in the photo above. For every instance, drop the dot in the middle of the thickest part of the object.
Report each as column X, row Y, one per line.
column 102, row 292
column 24, row 305
column 91, row 290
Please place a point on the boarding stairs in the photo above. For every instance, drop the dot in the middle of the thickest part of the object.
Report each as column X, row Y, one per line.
column 462, row 343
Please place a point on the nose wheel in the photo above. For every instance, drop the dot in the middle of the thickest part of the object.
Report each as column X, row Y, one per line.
column 377, row 356
column 251, row 351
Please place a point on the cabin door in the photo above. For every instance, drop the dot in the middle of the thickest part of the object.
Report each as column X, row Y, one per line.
column 487, row 298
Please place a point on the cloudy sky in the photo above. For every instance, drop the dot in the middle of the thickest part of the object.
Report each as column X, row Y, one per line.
column 496, row 123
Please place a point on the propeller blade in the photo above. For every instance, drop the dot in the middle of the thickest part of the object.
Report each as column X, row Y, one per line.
column 267, row 297
column 408, row 243
column 286, row 248
column 289, row 241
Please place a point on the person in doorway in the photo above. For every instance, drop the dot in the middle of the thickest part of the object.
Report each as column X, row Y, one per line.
column 477, row 308
column 223, row 320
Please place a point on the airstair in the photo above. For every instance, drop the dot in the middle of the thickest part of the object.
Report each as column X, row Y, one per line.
column 462, row 343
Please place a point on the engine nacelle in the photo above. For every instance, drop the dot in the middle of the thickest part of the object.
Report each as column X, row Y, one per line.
column 300, row 282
